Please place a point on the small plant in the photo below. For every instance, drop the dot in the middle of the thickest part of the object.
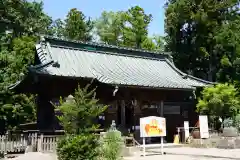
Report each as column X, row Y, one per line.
column 112, row 143
column 237, row 122
column 78, row 147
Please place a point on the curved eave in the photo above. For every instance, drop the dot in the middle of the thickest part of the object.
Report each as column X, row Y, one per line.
column 205, row 83
column 40, row 72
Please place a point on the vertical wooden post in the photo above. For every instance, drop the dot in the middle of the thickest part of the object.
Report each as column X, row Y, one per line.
column 6, row 144
column 134, row 120
column 162, row 145
column 40, row 142
column 161, row 108
column 162, row 115
column 144, row 147
column 123, row 115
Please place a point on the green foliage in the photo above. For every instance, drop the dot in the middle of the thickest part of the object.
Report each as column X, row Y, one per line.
column 23, row 17
column 19, row 21
column 228, row 40
column 228, row 123
column 237, row 122
column 77, row 119
column 155, row 43
column 109, row 27
column 16, row 108
column 57, row 28
column 78, row 115
column 201, row 32
column 78, row 147
column 128, row 28
column 77, row 27
column 219, row 101
column 136, row 30
column 112, row 144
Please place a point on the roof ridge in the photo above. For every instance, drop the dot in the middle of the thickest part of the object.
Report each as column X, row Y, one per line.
column 111, row 53
column 105, row 45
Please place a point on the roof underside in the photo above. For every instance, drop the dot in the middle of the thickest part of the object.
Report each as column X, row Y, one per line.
column 112, row 68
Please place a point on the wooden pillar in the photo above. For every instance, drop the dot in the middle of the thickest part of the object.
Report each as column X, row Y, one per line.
column 123, row 115
column 162, row 108
column 45, row 113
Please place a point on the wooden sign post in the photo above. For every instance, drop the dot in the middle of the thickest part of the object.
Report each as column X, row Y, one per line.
column 152, row 127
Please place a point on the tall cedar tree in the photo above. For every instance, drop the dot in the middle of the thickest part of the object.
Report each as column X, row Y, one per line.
column 192, row 28
column 77, row 27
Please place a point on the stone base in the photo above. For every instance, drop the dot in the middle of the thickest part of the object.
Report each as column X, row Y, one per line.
column 217, row 142
column 229, row 143
column 128, row 151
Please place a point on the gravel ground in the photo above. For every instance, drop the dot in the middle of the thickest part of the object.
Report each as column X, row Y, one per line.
column 182, row 153
column 173, row 157
column 35, row 156
column 186, row 153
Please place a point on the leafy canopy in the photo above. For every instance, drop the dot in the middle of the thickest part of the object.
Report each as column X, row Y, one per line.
column 193, row 31
column 16, row 108
column 219, row 101
column 128, row 28
column 77, row 27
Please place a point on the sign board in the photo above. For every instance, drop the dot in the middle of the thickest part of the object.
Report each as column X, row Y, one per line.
column 152, row 126
column 186, row 129
column 203, row 123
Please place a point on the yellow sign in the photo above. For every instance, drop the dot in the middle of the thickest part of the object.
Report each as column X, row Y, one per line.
column 152, row 126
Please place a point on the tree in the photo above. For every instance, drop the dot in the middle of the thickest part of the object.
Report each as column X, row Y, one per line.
column 148, row 44
column 220, row 101
column 20, row 20
column 109, row 27
column 16, row 109
column 136, row 27
column 228, row 46
column 78, row 114
column 23, row 17
column 191, row 27
column 154, row 43
column 77, row 27
column 125, row 28
column 57, row 28
column 77, row 119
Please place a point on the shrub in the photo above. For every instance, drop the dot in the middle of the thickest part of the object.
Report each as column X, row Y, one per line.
column 219, row 101
column 78, row 147
column 78, row 115
column 112, row 145
column 237, row 122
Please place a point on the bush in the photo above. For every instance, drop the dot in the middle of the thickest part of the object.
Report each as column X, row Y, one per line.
column 221, row 101
column 78, row 147
column 112, row 145
column 237, row 122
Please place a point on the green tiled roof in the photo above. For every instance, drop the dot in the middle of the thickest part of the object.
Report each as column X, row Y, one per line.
column 62, row 58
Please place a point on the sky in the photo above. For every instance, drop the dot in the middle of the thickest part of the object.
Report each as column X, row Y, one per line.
column 94, row 8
